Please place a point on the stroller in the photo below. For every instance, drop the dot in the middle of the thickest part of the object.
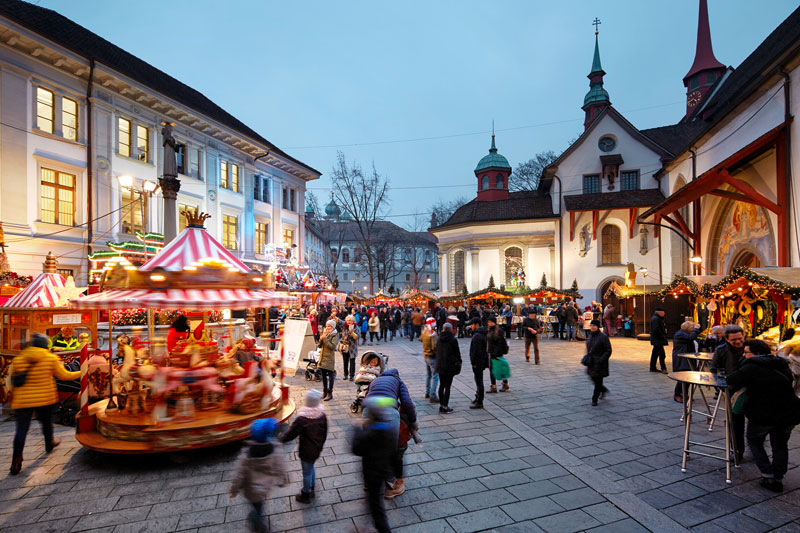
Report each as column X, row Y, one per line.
column 370, row 367
column 313, row 372
column 68, row 391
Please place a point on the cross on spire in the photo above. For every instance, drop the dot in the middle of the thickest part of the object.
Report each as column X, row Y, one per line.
column 596, row 23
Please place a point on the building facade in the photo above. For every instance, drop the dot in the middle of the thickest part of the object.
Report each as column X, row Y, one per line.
column 82, row 143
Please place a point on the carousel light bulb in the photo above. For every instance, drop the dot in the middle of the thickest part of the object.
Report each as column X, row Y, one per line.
column 157, row 277
column 190, row 267
column 232, row 269
column 130, row 267
column 257, row 279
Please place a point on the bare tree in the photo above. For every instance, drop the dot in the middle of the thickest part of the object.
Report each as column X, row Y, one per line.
column 363, row 197
column 444, row 209
column 414, row 253
column 526, row 176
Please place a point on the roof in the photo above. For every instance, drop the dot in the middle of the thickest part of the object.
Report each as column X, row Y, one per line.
column 613, row 200
column 674, row 137
column 193, row 245
column 704, row 53
column 492, row 160
column 520, row 205
column 80, row 40
column 42, row 292
column 382, row 230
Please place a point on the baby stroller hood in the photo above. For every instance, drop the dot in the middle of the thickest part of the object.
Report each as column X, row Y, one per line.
column 369, row 355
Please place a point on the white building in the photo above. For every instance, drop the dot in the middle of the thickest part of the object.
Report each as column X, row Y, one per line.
column 77, row 112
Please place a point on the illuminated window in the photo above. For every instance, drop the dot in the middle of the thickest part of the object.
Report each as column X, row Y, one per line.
column 134, row 211
column 142, row 143
column 58, row 197
column 288, row 238
column 230, row 230
column 180, row 158
column 262, row 230
column 182, row 222
column 223, row 174
column 124, row 126
column 610, row 245
column 235, row 178
column 45, row 109
column 69, row 119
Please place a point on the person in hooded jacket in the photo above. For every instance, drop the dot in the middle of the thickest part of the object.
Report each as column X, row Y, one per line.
column 311, row 426
column 328, row 344
column 598, row 348
column 479, row 359
column 772, row 409
column 448, row 365
column 38, row 394
column 683, row 342
column 260, row 466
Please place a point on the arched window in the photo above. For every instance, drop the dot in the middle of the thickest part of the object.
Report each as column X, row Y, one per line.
column 610, row 245
column 484, row 183
column 513, row 258
column 500, row 182
column 458, row 270
column 345, row 255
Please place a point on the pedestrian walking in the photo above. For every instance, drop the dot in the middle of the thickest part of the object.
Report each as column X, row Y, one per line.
column 479, row 359
column 383, row 316
column 260, row 466
column 448, row 365
column 417, row 321
column 374, row 325
column 32, row 379
column 348, row 347
column 658, row 339
column 328, row 344
column 598, row 351
column 571, row 318
column 531, row 326
column 311, row 428
column 608, row 320
column 429, row 339
column 497, row 346
column 364, row 328
column 463, row 317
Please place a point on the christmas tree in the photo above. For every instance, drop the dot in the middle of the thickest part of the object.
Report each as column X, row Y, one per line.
column 491, row 282
column 574, row 285
column 543, row 283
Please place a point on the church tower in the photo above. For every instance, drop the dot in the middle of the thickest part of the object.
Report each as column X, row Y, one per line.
column 597, row 98
column 706, row 70
column 492, row 172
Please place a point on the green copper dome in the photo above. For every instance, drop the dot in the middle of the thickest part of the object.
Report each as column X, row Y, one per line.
column 492, row 160
column 332, row 210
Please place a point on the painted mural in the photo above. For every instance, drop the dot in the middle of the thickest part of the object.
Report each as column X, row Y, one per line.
column 746, row 228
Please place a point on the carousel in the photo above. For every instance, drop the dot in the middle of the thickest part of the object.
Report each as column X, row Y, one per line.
column 190, row 390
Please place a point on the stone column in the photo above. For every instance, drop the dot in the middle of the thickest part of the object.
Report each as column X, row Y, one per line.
column 170, row 185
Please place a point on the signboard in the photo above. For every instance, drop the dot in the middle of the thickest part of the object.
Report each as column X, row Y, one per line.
column 67, row 319
column 297, row 342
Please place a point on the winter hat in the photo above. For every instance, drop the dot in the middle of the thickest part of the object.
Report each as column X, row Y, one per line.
column 331, row 323
column 492, row 319
column 596, row 323
column 448, row 326
column 40, row 341
column 263, row 429
column 313, row 397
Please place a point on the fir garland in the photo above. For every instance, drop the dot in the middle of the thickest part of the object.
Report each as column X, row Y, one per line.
column 708, row 291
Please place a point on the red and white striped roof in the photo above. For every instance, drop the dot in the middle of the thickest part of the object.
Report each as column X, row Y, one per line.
column 199, row 299
column 192, row 245
column 40, row 293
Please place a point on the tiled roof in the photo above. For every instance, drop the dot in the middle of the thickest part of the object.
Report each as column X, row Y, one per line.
column 613, row 200
column 80, row 40
column 519, row 206
column 675, row 137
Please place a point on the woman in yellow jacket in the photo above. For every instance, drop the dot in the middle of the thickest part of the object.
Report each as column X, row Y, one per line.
column 37, row 394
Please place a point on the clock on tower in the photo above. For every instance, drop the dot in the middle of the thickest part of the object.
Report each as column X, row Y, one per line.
column 693, row 98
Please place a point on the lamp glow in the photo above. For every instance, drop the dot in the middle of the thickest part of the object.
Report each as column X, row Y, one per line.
column 696, row 259
column 125, row 181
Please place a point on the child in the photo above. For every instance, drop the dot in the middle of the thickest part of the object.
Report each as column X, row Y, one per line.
column 311, row 425
column 260, row 466
column 364, row 329
column 618, row 324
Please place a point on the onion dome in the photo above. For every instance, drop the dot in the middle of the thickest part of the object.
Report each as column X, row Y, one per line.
column 332, row 210
column 493, row 160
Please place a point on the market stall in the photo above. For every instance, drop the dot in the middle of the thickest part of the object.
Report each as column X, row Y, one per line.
column 195, row 390
column 417, row 298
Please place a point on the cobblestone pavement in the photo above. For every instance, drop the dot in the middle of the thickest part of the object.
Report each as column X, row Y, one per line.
column 538, row 458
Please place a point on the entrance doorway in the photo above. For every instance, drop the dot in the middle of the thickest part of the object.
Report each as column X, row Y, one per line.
column 746, row 259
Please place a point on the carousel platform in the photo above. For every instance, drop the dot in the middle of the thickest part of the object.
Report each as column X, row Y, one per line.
column 123, row 433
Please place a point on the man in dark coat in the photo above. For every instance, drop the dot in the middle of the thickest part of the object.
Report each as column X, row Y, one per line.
column 531, row 326
column 658, row 339
column 479, row 359
column 598, row 348
column 728, row 357
column 448, row 365
column 772, row 409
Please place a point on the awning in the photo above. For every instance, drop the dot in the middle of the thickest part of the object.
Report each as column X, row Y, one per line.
column 200, row 299
column 42, row 292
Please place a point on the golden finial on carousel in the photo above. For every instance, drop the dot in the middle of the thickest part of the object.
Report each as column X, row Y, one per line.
column 50, row 265
column 195, row 220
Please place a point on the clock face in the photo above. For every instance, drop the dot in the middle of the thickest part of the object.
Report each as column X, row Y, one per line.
column 693, row 98
column 606, row 144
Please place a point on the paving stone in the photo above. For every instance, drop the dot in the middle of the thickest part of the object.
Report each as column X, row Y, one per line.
column 112, row 518
column 577, row 498
column 567, row 522
column 184, row 506
column 463, row 473
column 605, row 513
column 458, row 488
column 307, row 517
column 774, row 512
column 479, row 520
column 534, row 489
column 623, row 526
column 155, row 525
column 705, row 508
column 506, row 479
column 433, row 526
column 489, row 498
column 439, row 509
column 534, row 508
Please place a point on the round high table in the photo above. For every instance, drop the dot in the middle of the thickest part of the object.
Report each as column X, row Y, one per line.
column 692, row 380
column 699, row 362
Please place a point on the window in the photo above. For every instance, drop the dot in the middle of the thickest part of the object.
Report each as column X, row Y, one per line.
column 265, row 183
column 484, row 183
column 69, row 119
column 345, row 255
column 45, row 109
column 134, row 211
column 610, row 246
column 428, row 256
column 230, row 230
column 142, row 143
column 180, row 158
column 288, row 238
column 694, row 83
column 293, row 197
column 408, row 277
column 345, row 276
column 606, row 144
column 591, row 184
column 358, row 276
column 124, row 126
column 458, row 271
column 223, row 174
column 196, row 164
column 262, row 230
column 65, row 272
column 58, row 197
column 182, row 222
column 235, row 178
column 629, row 180
column 285, row 198
column 500, row 183
column 513, row 260
column 711, row 77
column 407, row 256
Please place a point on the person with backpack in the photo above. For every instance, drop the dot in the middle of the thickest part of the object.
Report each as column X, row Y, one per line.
column 311, row 427
column 497, row 347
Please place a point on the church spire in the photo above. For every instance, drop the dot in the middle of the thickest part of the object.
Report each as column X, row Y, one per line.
column 705, row 70
column 597, row 98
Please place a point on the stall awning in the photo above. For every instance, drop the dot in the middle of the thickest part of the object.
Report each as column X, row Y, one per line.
column 42, row 292
column 193, row 245
column 200, row 299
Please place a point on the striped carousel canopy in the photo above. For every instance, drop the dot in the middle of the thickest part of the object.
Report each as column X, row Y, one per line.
column 199, row 299
column 42, row 292
column 193, row 245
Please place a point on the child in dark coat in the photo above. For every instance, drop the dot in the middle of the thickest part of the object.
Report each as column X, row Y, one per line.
column 260, row 466
column 311, row 426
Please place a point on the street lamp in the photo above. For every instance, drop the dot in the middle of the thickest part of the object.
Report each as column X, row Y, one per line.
column 149, row 188
column 696, row 260
column 643, row 270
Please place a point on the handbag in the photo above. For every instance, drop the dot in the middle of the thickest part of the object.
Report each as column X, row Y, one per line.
column 586, row 359
column 739, row 401
column 500, row 368
column 19, row 378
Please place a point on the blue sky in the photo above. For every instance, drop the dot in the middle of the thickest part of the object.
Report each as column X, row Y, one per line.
column 319, row 76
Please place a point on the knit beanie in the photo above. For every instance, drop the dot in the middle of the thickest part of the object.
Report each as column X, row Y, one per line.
column 40, row 341
column 313, row 398
column 263, row 429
